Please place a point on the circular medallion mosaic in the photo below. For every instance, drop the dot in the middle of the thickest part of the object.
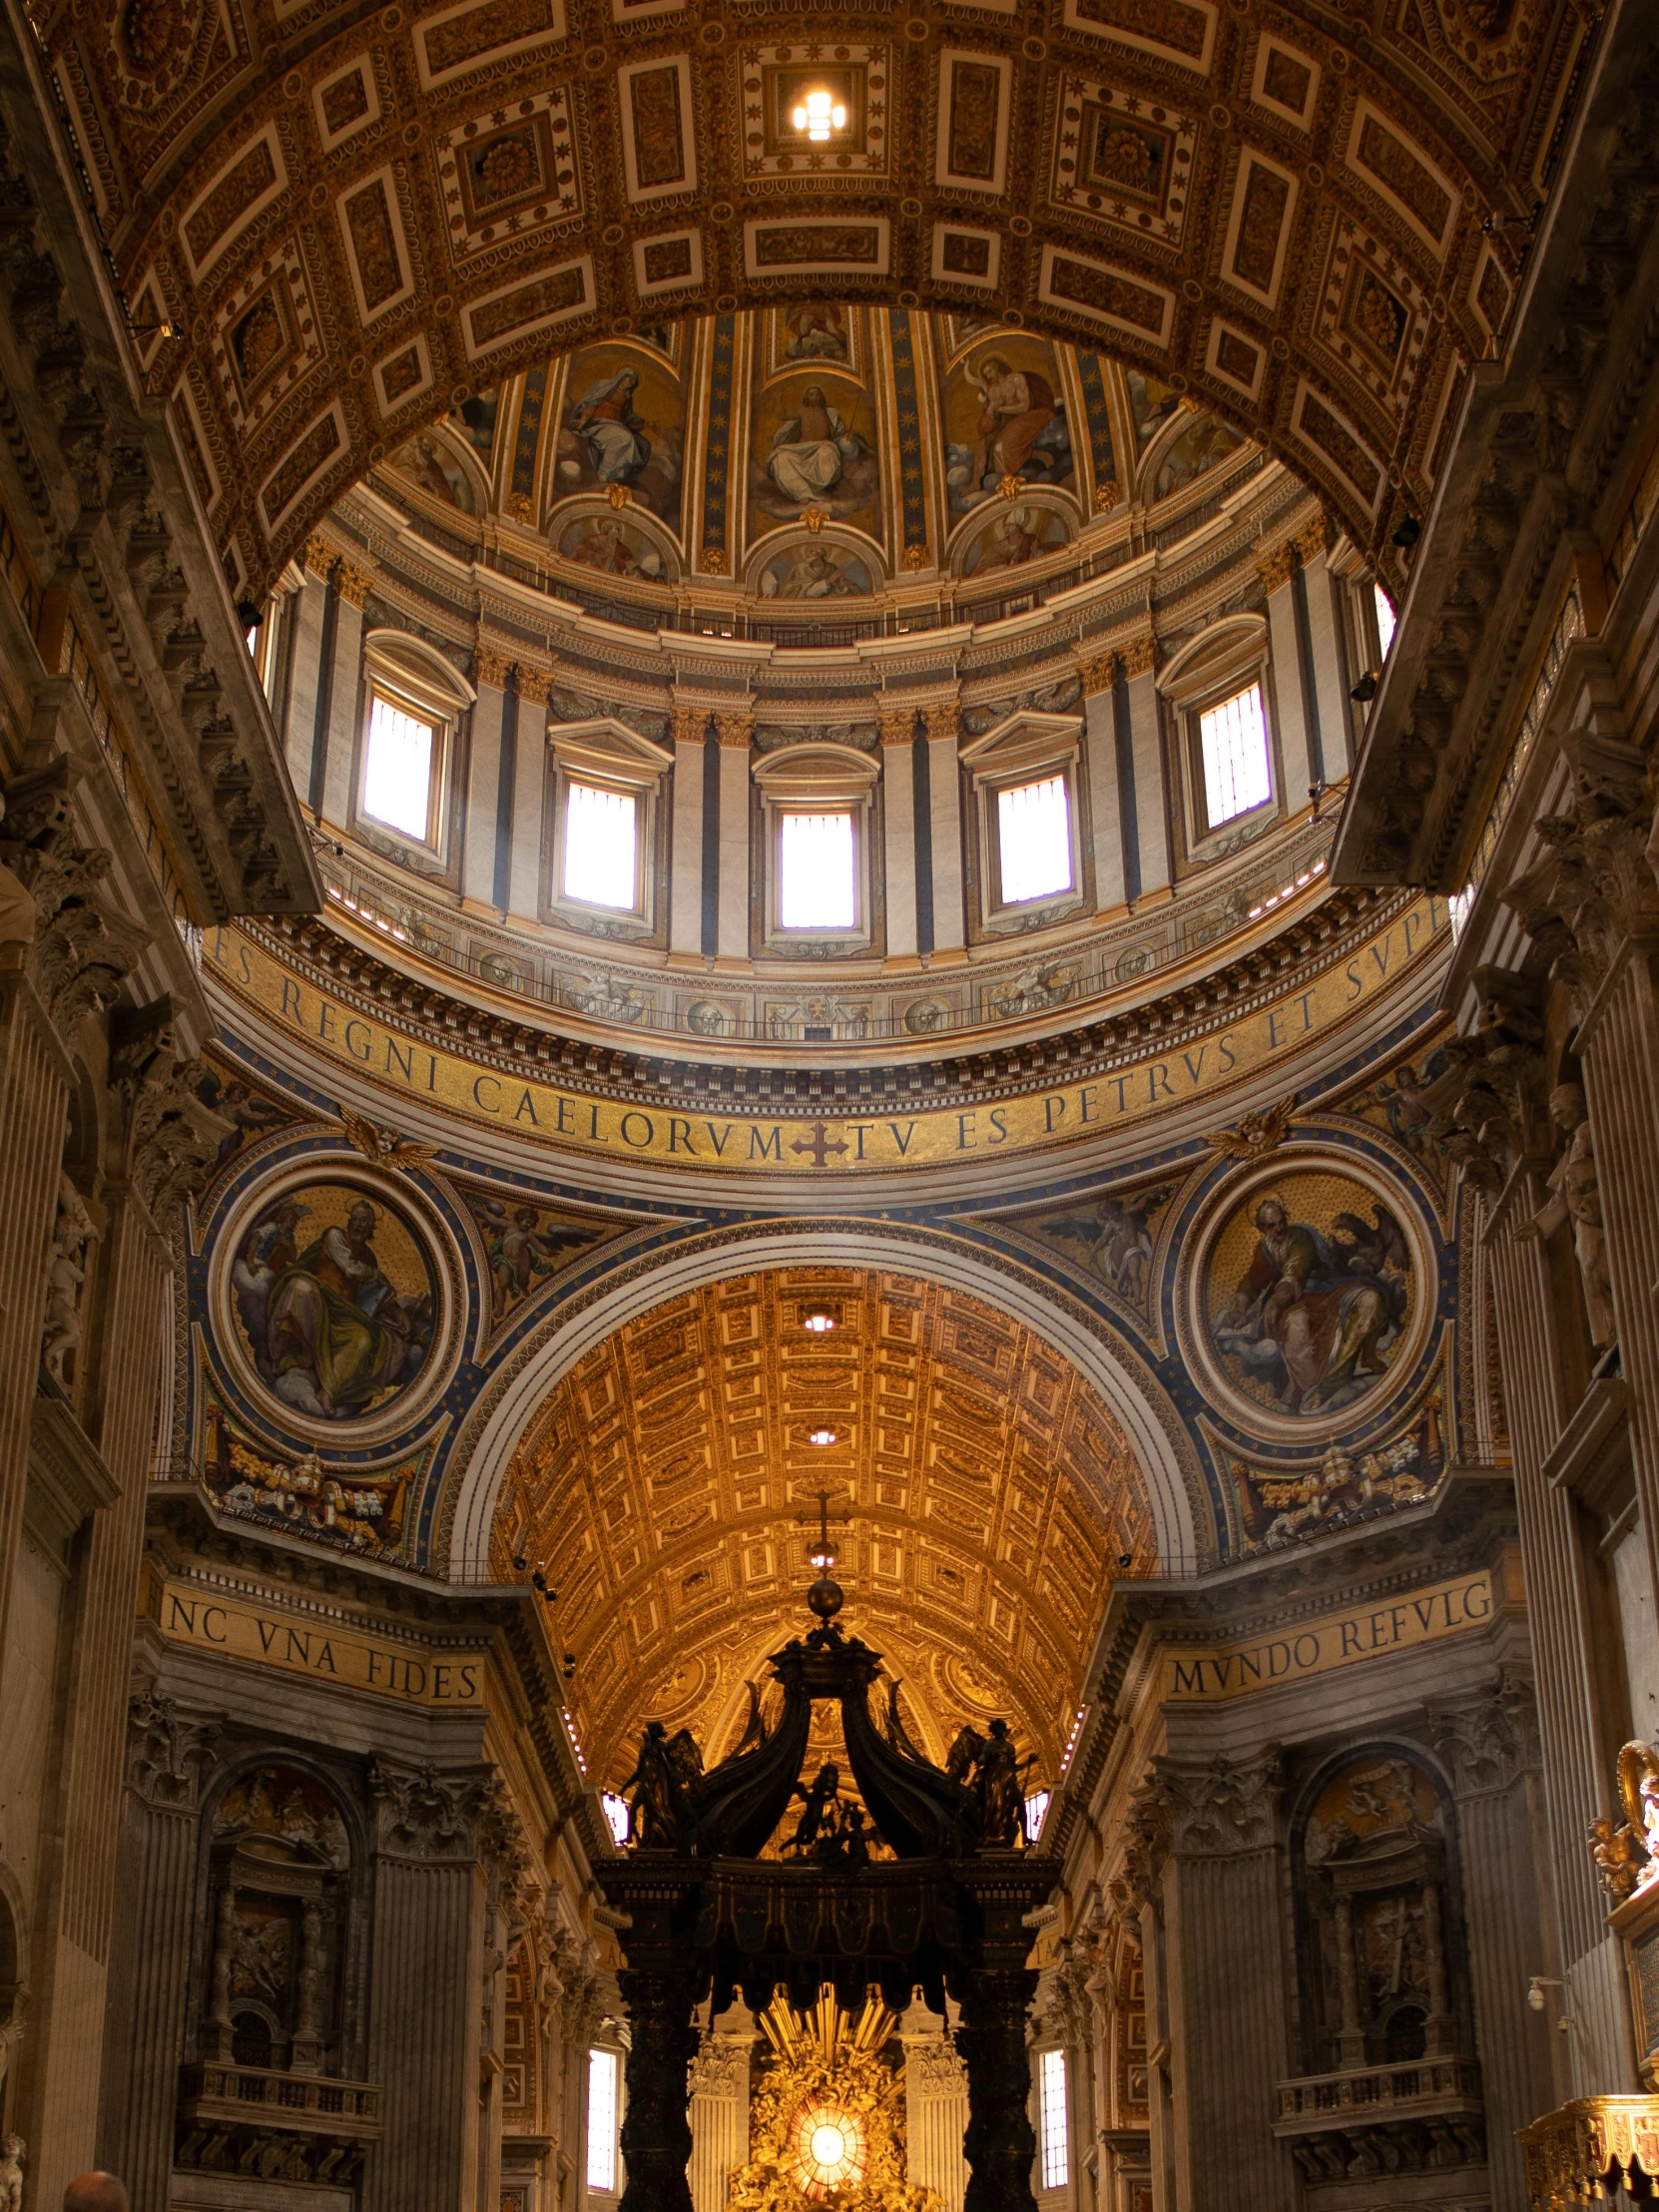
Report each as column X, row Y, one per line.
column 1308, row 1294
column 334, row 1299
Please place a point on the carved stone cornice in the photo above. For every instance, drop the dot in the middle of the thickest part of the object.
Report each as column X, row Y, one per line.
column 115, row 523
column 1544, row 430
column 1222, row 1810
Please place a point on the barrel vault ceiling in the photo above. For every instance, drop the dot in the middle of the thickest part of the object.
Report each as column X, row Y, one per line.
column 335, row 223
column 985, row 1498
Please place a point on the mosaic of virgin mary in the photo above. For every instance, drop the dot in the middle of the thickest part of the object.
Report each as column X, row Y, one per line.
column 337, row 1323
column 1314, row 1321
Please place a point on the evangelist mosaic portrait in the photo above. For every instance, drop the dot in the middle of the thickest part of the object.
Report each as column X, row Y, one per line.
column 335, row 1300
column 1309, row 1292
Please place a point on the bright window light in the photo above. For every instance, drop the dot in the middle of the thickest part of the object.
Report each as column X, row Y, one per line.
column 397, row 780
column 601, row 846
column 817, row 888
column 1385, row 619
column 1051, row 2091
column 1234, row 739
column 616, row 1815
column 602, row 2104
column 1036, row 1805
column 1033, row 824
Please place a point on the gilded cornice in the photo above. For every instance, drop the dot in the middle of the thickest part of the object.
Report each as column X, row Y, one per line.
column 1325, row 938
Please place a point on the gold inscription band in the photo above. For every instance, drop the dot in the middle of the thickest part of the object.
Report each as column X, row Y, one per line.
column 1429, row 1617
column 238, row 1630
column 401, row 1062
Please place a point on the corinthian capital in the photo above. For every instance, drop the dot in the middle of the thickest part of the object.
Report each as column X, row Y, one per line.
column 172, row 1137
column 1222, row 1810
column 423, row 1813
column 80, row 948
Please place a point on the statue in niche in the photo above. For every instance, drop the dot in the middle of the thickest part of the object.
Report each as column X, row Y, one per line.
column 12, row 2154
column 1578, row 1200
column 66, row 1274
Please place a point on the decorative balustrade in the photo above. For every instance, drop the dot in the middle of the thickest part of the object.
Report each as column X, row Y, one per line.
column 258, row 2097
column 1420, row 2086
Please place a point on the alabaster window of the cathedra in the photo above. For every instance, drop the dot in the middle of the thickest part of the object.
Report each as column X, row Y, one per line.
column 1381, row 1976
column 279, row 1926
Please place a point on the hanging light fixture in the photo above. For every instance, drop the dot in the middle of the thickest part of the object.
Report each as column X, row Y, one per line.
column 818, row 115
column 817, row 1321
column 822, row 1437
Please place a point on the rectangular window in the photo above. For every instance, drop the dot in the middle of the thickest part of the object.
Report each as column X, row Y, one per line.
column 1033, row 826
column 1234, row 741
column 1051, row 2096
column 397, row 777
column 616, row 1816
column 1036, row 1809
column 1384, row 620
column 816, row 882
column 601, row 846
column 602, row 2118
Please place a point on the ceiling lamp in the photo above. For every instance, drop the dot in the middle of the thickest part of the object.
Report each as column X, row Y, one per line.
column 822, row 1437
column 818, row 115
column 817, row 1321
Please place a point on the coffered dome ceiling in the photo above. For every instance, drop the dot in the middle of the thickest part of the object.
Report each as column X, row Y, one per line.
column 988, row 1501
column 333, row 223
column 809, row 458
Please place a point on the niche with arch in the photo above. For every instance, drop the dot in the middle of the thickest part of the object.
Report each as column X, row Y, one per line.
column 1383, row 1981
column 282, row 1925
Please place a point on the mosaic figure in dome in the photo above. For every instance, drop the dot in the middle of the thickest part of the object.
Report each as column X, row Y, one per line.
column 816, row 331
column 1197, row 449
column 424, row 460
column 1150, row 404
column 811, row 450
column 812, row 445
column 605, row 421
column 623, row 423
column 1005, row 417
column 814, row 572
column 608, row 546
column 1018, row 535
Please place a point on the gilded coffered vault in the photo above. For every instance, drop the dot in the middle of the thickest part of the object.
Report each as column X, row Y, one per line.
column 335, row 224
column 984, row 1496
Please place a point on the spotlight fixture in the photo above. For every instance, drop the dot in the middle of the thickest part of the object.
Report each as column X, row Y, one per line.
column 250, row 614
column 1365, row 691
column 1406, row 533
column 820, row 115
column 822, row 1437
column 817, row 1321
